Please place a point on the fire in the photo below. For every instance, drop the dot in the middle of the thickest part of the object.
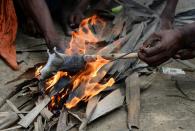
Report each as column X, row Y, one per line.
column 91, row 90
column 88, row 80
column 83, row 35
column 37, row 72
column 53, row 80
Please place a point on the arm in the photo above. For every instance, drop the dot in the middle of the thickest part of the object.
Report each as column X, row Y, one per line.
column 41, row 15
column 167, row 16
column 77, row 15
column 169, row 10
column 188, row 33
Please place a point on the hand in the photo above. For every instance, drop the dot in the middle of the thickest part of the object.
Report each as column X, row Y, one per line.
column 60, row 44
column 185, row 54
column 169, row 42
column 75, row 18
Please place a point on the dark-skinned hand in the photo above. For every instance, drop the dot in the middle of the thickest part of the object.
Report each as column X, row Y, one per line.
column 168, row 43
column 75, row 18
column 185, row 54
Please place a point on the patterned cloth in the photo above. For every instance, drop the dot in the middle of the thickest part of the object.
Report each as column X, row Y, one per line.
column 8, row 29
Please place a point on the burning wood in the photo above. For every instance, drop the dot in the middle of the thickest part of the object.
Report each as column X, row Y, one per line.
column 62, row 62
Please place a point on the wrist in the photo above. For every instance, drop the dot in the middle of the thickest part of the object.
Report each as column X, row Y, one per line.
column 181, row 37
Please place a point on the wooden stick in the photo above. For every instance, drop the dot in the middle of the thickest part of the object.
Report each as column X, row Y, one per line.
column 89, row 111
column 12, row 128
column 89, row 58
column 133, row 101
column 28, row 119
column 15, row 109
column 63, row 120
column 46, row 114
column 121, row 56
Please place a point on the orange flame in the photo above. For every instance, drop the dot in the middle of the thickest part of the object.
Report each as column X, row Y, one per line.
column 89, row 79
column 37, row 72
column 83, row 35
column 53, row 80
column 85, row 80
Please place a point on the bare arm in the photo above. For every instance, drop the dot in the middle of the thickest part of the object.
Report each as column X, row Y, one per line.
column 169, row 10
column 167, row 15
column 41, row 15
column 188, row 33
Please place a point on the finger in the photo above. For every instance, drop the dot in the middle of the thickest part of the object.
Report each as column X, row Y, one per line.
column 187, row 56
column 78, row 20
column 177, row 56
column 184, row 54
column 191, row 46
column 72, row 19
column 151, row 51
column 154, row 60
column 151, row 41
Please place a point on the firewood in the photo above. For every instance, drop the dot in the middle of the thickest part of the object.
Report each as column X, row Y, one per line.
column 63, row 120
column 12, row 128
column 78, row 92
column 7, row 119
column 134, row 36
column 40, row 124
column 28, row 119
column 111, row 102
column 133, row 101
column 18, row 88
column 14, row 108
column 46, row 114
column 65, row 123
column 89, row 112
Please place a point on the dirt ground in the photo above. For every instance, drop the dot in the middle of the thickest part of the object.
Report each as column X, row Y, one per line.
column 161, row 107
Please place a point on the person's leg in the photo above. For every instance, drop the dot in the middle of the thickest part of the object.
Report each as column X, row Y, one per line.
column 41, row 15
